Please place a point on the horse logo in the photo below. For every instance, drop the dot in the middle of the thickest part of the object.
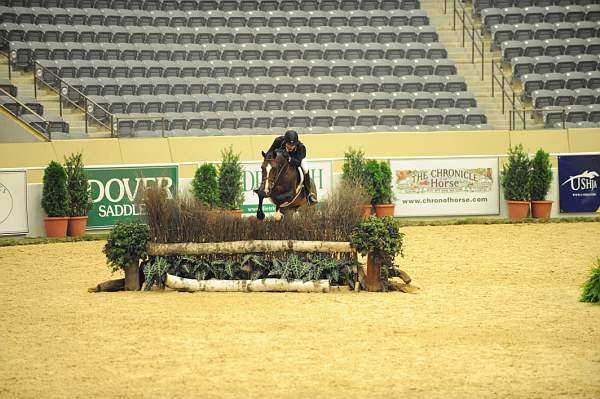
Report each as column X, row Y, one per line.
column 583, row 181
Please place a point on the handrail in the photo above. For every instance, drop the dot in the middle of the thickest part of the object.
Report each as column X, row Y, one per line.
column 524, row 111
column 63, row 90
column 477, row 42
column 508, row 93
column 7, row 94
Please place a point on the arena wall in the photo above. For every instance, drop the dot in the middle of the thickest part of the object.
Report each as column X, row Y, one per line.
column 194, row 149
column 188, row 152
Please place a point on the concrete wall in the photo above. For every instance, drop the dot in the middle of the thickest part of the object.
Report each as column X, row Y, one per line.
column 193, row 149
column 35, row 156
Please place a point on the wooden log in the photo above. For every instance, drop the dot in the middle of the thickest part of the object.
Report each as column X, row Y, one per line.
column 132, row 277
column 373, row 279
column 109, row 286
column 237, row 247
column 263, row 285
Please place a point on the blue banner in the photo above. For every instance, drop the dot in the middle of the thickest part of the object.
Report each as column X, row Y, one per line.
column 578, row 179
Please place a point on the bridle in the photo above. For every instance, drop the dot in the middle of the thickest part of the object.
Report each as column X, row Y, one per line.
column 279, row 172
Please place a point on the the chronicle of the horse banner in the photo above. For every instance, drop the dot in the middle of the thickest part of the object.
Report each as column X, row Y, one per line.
column 320, row 172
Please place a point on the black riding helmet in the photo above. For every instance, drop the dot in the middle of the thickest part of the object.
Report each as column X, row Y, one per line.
column 291, row 137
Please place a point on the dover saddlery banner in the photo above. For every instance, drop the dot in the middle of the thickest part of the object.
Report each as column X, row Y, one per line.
column 13, row 202
column 579, row 182
column 116, row 191
column 446, row 186
column 320, row 172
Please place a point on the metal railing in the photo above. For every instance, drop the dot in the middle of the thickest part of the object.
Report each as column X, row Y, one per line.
column 63, row 91
column 538, row 116
column 507, row 93
column 110, row 121
column 46, row 133
column 468, row 29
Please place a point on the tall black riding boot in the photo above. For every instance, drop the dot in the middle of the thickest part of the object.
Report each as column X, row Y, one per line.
column 311, row 197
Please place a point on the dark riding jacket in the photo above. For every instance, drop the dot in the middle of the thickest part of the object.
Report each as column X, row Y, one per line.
column 296, row 156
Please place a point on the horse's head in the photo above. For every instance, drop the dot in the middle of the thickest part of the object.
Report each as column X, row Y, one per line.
column 271, row 165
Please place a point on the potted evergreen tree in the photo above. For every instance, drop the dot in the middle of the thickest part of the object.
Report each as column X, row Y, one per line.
column 231, row 189
column 354, row 175
column 381, row 240
column 379, row 177
column 540, row 178
column 125, row 248
column 514, row 179
column 78, row 187
column 55, row 200
column 205, row 185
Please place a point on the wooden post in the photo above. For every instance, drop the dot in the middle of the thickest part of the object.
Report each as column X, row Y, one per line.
column 132, row 276
column 373, row 279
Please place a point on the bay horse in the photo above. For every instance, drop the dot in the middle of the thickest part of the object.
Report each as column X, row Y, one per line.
column 282, row 183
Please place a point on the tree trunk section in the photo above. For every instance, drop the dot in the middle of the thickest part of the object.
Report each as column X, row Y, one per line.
column 263, row 285
column 109, row 286
column 132, row 277
column 373, row 280
column 237, row 247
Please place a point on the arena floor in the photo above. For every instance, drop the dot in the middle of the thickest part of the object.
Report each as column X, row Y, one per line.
column 497, row 316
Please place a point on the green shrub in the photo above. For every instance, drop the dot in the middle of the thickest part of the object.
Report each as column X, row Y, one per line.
column 205, row 185
column 231, row 190
column 380, row 238
column 353, row 170
column 514, row 176
column 591, row 288
column 337, row 268
column 55, row 195
column 379, row 182
column 126, row 244
column 540, row 176
column 78, row 187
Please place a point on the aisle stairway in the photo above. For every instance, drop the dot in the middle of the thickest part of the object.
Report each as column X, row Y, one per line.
column 49, row 100
column 452, row 40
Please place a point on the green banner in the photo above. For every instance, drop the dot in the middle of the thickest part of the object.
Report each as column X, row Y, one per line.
column 117, row 191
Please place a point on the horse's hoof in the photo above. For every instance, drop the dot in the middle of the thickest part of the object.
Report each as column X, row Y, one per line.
column 260, row 215
column 278, row 216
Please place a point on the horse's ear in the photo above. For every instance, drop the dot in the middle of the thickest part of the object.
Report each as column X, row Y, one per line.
column 263, row 154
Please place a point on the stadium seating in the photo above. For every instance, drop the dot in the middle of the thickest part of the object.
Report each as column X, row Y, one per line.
column 243, row 65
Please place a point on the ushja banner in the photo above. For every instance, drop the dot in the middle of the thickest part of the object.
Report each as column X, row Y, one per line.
column 446, row 186
column 579, row 179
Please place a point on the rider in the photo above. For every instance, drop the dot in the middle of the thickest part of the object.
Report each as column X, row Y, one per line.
column 295, row 151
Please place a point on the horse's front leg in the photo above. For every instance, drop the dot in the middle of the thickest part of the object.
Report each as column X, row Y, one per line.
column 260, row 215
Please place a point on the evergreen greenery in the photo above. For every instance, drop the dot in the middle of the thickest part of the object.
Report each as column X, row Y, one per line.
column 540, row 176
column 126, row 244
column 55, row 195
column 379, row 182
column 591, row 289
column 353, row 170
column 205, row 185
column 514, row 176
column 380, row 238
column 302, row 266
column 231, row 190
column 78, row 186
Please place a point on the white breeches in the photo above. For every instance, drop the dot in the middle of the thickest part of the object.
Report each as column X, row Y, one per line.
column 304, row 166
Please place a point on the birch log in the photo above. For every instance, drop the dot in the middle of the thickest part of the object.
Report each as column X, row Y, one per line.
column 238, row 247
column 268, row 284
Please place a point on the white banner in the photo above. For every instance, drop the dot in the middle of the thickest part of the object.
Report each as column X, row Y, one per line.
column 446, row 186
column 320, row 172
column 13, row 202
